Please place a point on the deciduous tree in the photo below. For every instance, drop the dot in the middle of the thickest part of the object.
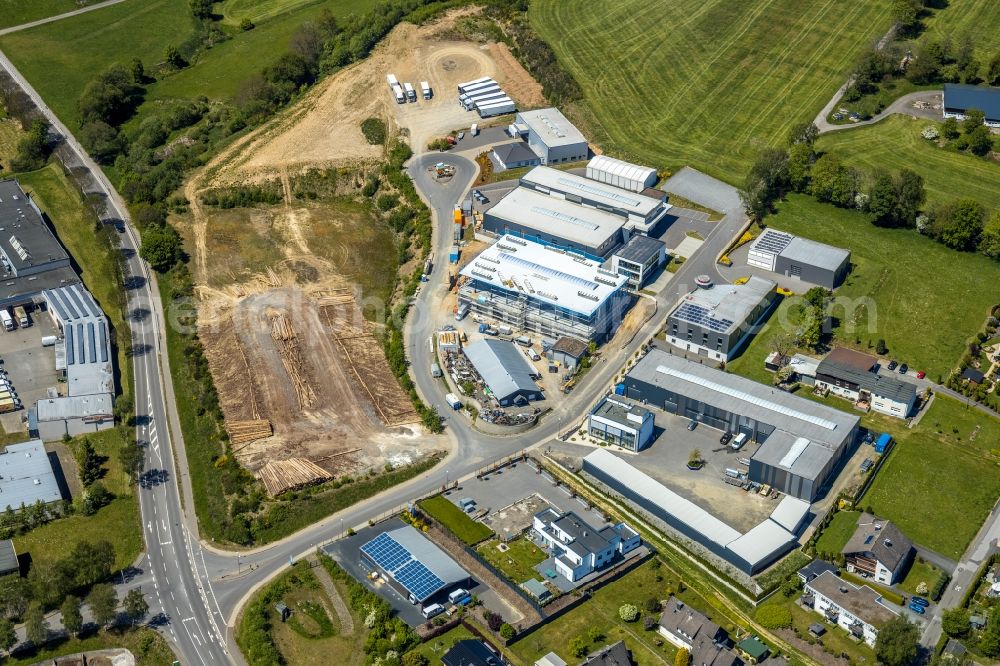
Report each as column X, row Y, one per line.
column 135, row 605
column 103, row 604
column 896, row 644
column 36, row 628
column 72, row 618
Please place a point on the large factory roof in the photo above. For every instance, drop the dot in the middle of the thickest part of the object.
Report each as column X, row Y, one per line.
column 612, row 197
column 26, row 476
column 502, row 366
column 723, row 308
column 558, row 217
column 25, row 239
column 551, row 126
column 745, row 397
column 88, row 347
column 550, row 275
column 414, row 562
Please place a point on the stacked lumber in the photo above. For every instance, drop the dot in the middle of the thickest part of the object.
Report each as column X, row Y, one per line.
column 281, row 328
column 243, row 432
column 279, row 476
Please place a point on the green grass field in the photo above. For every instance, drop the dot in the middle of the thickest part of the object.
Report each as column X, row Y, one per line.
column 455, row 520
column 977, row 18
column 518, row 562
column 924, row 299
column 895, row 143
column 705, row 83
column 837, row 533
column 234, row 11
column 17, row 12
column 920, row 572
column 940, row 481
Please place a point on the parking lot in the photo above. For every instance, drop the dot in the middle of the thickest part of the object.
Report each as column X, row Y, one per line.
column 30, row 367
column 666, row 461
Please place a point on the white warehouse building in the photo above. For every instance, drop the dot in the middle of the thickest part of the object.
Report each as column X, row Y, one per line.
column 621, row 174
column 550, row 135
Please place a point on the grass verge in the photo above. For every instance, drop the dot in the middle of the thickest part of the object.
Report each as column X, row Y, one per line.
column 149, row 648
column 455, row 520
column 838, row 532
column 518, row 562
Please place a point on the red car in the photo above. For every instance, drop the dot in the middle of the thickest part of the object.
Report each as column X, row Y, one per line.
column 921, row 374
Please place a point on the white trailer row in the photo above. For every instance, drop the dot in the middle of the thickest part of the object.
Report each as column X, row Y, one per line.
column 497, row 108
column 485, row 96
column 463, row 87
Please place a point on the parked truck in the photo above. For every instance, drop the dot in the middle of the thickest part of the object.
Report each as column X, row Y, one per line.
column 22, row 316
column 453, row 401
column 435, row 370
column 474, row 130
column 411, row 95
column 452, row 257
column 6, row 320
column 392, row 80
column 425, row 88
column 397, row 90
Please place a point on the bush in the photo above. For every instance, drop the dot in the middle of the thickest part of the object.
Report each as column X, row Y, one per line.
column 506, row 631
column 374, row 131
column 773, row 616
column 628, row 612
column 494, row 621
column 652, row 605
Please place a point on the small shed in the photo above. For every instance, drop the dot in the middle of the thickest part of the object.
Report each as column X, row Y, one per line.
column 537, row 589
column 977, row 622
column 754, row 649
column 8, row 558
column 817, row 629
column 284, row 612
column 568, row 351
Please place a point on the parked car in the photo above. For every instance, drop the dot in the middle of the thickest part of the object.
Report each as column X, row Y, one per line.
column 903, row 369
column 692, row 425
column 917, row 608
column 921, row 374
column 892, row 365
column 726, row 436
column 920, row 601
column 461, row 135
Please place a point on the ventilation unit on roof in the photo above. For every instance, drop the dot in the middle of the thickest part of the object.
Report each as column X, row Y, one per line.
column 591, row 297
column 482, row 275
column 506, row 247
column 548, row 295
column 605, row 281
column 517, row 241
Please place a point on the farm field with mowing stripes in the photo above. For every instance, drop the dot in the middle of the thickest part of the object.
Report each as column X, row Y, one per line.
column 977, row 18
column 715, row 81
column 895, row 143
column 16, row 12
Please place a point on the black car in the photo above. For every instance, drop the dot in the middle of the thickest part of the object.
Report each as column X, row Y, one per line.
column 903, row 369
column 692, row 425
column 726, row 436
column 892, row 365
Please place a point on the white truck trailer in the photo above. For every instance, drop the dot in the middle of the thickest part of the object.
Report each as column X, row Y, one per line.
column 505, row 105
column 411, row 95
column 425, row 88
column 392, row 80
column 6, row 320
column 397, row 90
column 453, row 401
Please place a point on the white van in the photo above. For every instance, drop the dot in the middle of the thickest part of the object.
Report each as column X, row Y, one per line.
column 430, row 611
column 458, row 595
column 738, row 441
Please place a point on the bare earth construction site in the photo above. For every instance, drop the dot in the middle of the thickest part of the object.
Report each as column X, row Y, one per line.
column 302, row 378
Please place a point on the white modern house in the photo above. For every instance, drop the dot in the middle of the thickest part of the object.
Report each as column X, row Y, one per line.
column 621, row 421
column 859, row 610
column 577, row 548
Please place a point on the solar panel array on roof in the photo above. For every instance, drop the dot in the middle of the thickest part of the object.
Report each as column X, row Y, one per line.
column 418, row 579
column 696, row 314
column 773, row 241
column 411, row 560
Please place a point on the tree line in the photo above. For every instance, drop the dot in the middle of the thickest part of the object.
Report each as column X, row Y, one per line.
column 887, row 199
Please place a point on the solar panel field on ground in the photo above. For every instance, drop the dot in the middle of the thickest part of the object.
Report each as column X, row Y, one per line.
column 705, row 83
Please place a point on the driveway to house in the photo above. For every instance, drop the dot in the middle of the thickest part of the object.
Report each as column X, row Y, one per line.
column 904, row 105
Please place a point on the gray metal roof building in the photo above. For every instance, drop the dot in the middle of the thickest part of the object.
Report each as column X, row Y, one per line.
column 87, row 343
column 639, row 259
column 803, row 441
column 26, row 476
column 551, row 136
column 794, row 256
column 417, row 567
column 31, row 258
column 514, row 155
column 8, row 558
column 880, row 385
column 505, row 370
column 959, row 98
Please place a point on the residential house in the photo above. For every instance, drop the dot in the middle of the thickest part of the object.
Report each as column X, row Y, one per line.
column 859, row 610
column 878, row 549
column 577, row 548
column 815, row 569
column 686, row 628
column 615, row 654
column 471, row 653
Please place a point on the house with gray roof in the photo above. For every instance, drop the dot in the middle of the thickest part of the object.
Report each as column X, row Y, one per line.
column 883, row 393
column 26, row 476
column 622, row 422
column 515, row 155
column 577, row 548
column 505, row 371
column 959, row 98
column 639, row 260
column 859, row 610
column 716, row 321
column 691, row 630
column 878, row 549
column 615, row 654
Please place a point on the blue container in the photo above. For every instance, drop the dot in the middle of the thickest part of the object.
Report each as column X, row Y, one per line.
column 883, row 442
column 619, row 389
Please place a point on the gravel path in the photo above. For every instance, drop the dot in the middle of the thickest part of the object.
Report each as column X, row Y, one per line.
column 343, row 612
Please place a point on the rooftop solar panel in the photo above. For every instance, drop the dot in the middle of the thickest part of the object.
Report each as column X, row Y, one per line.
column 702, row 316
column 418, row 579
column 773, row 241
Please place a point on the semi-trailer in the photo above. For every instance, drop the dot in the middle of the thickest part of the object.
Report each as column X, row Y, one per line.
column 397, row 90
column 463, row 86
column 497, row 108
column 411, row 94
column 425, row 88
column 6, row 320
column 392, row 80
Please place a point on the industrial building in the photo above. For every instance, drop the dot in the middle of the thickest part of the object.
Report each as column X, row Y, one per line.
column 641, row 211
column 640, row 259
column 800, row 258
column 882, row 393
column 550, row 135
column 576, row 548
column 532, row 287
column 750, row 553
column 31, row 258
column 621, row 174
column 508, row 376
column 554, row 221
column 716, row 321
column 26, row 476
column 859, row 610
column 622, row 422
column 568, row 352
column 83, row 355
column 8, row 558
column 878, row 549
column 960, row 98
column 802, row 442
column 413, row 566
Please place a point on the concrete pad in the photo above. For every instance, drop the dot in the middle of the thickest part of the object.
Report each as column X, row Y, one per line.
column 687, row 247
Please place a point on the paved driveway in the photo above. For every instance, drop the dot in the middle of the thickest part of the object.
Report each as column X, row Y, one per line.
column 705, row 190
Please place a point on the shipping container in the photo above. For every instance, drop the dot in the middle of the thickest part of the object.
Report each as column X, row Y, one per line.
column 411, row 95
column 425, row 88
column 453, row 401
column 883, row 442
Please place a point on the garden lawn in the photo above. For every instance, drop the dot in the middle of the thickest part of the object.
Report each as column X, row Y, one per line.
column 705, row 82
column 920, row 572
column 938, row 486
column 600, row 613
column 838, row 532
column 148, row 646
column 924, row 299
column 455, row 520
column 234, row 11
column 518, row 562
column 434, row 648
column 836, row 640
column 18, row 12
column 895, row 143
